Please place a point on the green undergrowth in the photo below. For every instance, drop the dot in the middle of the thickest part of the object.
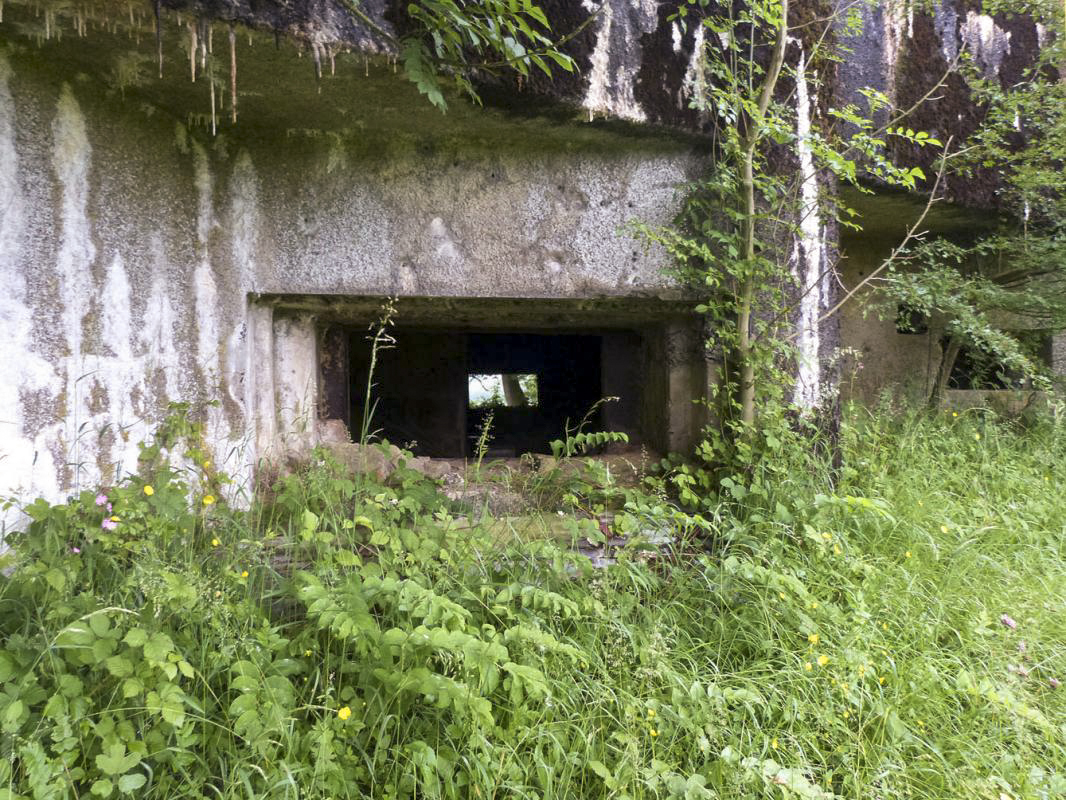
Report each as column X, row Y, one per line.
column 891, row 630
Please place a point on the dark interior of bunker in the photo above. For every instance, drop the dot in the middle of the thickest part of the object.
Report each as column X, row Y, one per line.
column 424, row 400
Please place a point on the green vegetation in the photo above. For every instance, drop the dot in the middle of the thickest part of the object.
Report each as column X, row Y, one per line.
column 900, row 636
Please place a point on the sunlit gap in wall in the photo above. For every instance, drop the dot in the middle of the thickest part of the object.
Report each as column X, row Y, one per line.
column 509, row 390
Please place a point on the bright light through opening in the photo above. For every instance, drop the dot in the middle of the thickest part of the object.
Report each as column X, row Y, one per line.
column 509, row 390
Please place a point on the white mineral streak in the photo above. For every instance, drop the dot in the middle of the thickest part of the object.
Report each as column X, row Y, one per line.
column 205, row 293
column 694, row 86
column 25, row 459
column 808, row 255
column 244, row 208
column 597, row 98
column 243, row 359
column 71, row 158
column 610, row 89
column 985, row 41
column 676, row 31
column 896, row 17
column 945, row 23
column 118, row 371
column 1041, row 35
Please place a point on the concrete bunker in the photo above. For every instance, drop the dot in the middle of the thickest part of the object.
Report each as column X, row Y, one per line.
column 647, row 352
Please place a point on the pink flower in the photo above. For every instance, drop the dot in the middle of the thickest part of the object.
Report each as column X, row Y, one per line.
column 76, row 550
column 1008, row 622
column 1053, row 683
column 108, row 524
column 101, row 499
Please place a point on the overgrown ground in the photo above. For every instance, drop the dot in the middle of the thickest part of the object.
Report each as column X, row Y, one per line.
column 898, row 632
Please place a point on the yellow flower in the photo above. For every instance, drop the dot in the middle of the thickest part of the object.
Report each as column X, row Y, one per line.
column 207, row 465
column 808, row 666
column 827, row 536
column 653, row 732
column 781, row 595
column 847, row 714
column 943, row 528
column 148, row 490
column 921, row 503
column 907, row 554
column 823, row 660
column 862, row 670
column 954, row 413
column 344, row 713
column 115, row 519
column 307, row 653
column 977, row 437
column 813, row 638
column 209, row 499
column 884, row 626
column 215, row 542
column 651, row 713
column 836, row 550
column 881, row 680
column 218, row 593
column 244, row 574
column 773, row 743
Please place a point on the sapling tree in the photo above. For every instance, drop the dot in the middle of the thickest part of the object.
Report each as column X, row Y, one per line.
column 769, row 199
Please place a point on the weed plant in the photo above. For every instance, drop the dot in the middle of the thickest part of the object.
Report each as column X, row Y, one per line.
column 894, row 629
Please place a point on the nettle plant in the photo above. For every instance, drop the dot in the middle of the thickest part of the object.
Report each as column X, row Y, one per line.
column 769, row 201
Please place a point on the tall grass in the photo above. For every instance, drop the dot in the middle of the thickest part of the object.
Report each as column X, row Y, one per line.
column 894, row 629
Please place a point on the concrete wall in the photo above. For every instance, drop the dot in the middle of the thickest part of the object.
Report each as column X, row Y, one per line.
column 879, row 357
column 133, row 248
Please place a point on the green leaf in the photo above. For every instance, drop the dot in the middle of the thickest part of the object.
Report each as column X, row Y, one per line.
column 115, row 761
column 56, row 579
column 100, row 624
column 119, row 666
column 158, row 647
column 600, row 769
column 7, row 667
column 14, row 716
column 136, row 637
column 103, row 788
column 131, row 783
column 131, row 687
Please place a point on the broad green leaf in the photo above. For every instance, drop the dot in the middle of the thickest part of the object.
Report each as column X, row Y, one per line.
column 131, row 783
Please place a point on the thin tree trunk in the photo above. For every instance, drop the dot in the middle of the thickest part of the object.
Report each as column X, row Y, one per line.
column 513, row 396
column 747, row 290
column 747, row 294
column 943, row 373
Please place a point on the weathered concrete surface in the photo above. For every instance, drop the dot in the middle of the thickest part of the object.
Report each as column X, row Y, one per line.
column 911, row 52
column 134, row 246
column 139, row 226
